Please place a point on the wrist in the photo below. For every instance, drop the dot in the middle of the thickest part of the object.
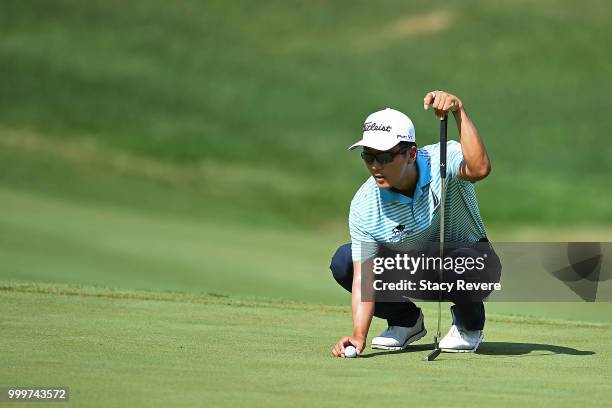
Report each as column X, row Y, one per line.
column 360, row 334
column 460, row 111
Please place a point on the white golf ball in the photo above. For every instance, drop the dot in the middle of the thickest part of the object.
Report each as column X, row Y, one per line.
column 350, row 352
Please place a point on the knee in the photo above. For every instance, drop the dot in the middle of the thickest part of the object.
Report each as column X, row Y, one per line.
column 342, row 264
column 490, row 273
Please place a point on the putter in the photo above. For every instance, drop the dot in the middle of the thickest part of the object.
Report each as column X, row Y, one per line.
column 443, row 136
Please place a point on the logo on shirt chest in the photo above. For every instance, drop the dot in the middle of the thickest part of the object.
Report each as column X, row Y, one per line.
column 422, row 217
column 399, row 231
column 435, row 198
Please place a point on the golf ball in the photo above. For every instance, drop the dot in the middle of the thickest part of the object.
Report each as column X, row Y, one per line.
column 350, row 352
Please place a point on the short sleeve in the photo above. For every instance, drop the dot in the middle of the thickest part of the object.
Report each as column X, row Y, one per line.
column 454, row 157
column 363, row 245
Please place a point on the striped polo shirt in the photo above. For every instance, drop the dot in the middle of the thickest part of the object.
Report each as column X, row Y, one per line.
column 384, row 216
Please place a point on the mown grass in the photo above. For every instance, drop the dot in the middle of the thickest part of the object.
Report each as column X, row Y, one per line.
column 121, row 347
column 45, row 240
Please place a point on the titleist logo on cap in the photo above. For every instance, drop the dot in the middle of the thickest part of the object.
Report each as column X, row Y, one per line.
column 373, row 126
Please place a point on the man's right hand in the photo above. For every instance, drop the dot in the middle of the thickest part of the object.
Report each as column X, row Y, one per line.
column 357, row 342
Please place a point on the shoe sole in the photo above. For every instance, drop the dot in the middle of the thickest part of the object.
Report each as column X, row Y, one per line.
column 409, row 340
column 480, row 339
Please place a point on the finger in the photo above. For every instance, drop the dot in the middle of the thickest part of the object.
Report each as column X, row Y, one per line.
column 433, row 103
column 442, row 101
column 429, row 98
column 438, row 100
column 346, row 341
column 358, row 345
column 337, row 351
column 447, row 104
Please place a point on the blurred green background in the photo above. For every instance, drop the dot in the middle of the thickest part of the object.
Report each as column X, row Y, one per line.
column 201, row 146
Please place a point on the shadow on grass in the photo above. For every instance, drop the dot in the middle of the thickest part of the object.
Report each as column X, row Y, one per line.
column 409, row 349
column 496, row 349
column 518, row 349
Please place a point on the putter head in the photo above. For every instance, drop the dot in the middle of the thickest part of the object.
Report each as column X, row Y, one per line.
column 432, row 356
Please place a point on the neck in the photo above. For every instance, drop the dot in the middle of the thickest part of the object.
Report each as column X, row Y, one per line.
column 408, row 181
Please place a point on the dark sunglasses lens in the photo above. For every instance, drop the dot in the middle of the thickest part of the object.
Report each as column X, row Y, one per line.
column 367, row 157
column 381, row 158
column 384, row 158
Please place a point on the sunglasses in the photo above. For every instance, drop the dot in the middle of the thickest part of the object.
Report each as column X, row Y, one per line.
column 381, row 158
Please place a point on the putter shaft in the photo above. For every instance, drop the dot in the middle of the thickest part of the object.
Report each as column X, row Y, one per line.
column 443, row 138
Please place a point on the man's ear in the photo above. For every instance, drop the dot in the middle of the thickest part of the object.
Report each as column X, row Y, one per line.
column 412, row 152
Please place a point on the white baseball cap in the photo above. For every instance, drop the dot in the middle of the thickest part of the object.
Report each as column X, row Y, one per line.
column 384, row 129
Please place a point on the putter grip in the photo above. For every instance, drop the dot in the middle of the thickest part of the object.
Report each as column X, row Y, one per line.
column 443, row 139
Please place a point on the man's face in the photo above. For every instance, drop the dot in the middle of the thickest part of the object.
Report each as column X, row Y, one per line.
column 390, row 174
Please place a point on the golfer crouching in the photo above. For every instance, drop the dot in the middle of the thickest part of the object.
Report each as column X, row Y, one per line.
column 399, row 207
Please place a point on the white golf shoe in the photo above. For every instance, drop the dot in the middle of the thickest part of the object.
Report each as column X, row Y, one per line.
column 398, row 337
column 459, row 340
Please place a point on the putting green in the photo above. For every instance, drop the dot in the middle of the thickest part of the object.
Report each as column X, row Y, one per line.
column 129, row 348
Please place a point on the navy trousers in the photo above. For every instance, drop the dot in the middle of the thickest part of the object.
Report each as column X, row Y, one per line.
column 470, row 316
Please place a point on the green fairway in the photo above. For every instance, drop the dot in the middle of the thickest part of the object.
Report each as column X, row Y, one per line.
column 105, row 245
column 127, row 348
column 46, row 240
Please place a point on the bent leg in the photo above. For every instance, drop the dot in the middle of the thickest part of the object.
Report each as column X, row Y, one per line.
column 403, row 314
column 469, row 311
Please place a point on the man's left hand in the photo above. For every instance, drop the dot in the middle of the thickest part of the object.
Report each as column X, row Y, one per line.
column 442, row 102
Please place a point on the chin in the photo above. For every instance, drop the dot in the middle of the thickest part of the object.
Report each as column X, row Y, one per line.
column 383, row 184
